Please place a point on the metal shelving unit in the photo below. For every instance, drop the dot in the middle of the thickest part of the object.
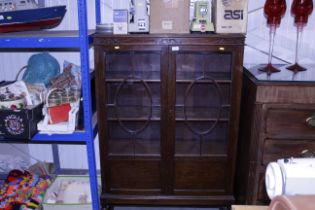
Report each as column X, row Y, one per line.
column 61, row 40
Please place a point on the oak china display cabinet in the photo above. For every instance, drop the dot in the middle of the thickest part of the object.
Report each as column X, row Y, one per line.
column 168, row 113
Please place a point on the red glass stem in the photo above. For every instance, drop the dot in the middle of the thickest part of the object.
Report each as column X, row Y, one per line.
column 299, row 30
column 272, row 34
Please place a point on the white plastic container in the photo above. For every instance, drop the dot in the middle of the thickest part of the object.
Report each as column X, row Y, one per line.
column 293, row 176
column 76, row 188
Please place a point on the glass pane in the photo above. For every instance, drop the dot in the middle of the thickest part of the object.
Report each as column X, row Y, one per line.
column 202, row 95
column 142, row 65
column 212, row 65
column 203, row 90
column 188, row 143
column 133, row 103
column 123, row 143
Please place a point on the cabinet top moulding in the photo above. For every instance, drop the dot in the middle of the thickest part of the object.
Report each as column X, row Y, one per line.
column 169, row 39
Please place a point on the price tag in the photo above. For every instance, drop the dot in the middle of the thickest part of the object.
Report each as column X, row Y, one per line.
column 175, row 48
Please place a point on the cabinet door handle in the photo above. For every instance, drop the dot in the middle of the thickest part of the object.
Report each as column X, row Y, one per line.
column 307, row 153
column 311, row 121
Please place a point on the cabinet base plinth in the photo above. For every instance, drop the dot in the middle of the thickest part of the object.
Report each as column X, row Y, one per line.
column 164, row 200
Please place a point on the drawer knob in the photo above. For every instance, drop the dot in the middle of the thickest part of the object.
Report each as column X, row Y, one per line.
column 311, row 121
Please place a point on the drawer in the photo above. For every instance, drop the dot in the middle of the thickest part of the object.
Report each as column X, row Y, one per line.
column 276, row 149
column 286, row 121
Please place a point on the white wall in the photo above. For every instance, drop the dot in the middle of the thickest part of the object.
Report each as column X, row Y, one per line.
column 255, row 52
column 14, row 156
column 284, row 48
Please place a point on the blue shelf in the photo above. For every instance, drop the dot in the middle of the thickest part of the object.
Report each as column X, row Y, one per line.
column 76, row 137
column 43, row 39
column 80, row 40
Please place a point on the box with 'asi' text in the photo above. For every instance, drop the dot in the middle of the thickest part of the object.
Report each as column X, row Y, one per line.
column 230, row 16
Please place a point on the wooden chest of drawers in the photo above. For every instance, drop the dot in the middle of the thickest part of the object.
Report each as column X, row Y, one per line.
column 275, row 123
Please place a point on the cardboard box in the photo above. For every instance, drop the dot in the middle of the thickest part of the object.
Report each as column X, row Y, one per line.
column 120, row 21
column 241, row 207
column 230, row 16
column 169, row 16
column 20, row 124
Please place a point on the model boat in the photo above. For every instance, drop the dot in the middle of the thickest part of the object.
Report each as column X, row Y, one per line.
column 23, row 15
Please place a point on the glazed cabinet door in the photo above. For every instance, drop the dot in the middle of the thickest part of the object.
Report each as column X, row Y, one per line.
column 200, row 118
column 131, row 104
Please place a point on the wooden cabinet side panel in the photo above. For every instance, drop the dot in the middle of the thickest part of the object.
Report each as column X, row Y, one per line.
column 100, row 89
column 237, row 80
column 249, row 144
column 242, row 164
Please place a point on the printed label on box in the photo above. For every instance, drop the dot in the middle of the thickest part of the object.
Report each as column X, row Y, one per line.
column 120, row 21
column 171, row 3
column 14, row 124
column 167, row 25
column 120, row 28
column 120, row 16
column 142, row 24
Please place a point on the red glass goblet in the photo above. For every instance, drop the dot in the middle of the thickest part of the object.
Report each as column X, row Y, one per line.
column 274, row 11
column 300, row 9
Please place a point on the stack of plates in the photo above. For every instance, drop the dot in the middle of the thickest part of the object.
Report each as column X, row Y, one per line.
column 105, row 28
